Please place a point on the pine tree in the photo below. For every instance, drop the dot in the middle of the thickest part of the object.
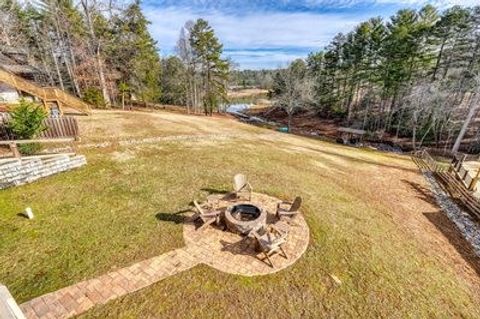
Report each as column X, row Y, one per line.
column 214, row 69
column 174, row 81
column 134, row 46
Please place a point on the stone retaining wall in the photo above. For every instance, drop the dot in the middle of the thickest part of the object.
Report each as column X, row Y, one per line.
column 14, row 172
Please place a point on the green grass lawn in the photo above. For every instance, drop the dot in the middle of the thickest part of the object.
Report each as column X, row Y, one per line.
column 366, row 223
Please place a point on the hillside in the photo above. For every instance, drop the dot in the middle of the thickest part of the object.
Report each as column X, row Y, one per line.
column 373, row 224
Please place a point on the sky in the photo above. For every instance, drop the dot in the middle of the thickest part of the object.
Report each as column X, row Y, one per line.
column 266, row 34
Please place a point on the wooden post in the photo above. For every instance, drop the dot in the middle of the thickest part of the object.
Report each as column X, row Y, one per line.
column 74, row 146
column 60, row 108
column 475, row 180
column 14, row 149
column 45, row 105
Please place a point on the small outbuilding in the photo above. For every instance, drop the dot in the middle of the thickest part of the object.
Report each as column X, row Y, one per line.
column 347, row 135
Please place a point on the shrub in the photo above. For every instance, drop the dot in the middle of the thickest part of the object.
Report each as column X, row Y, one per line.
column 26, row 123
column 94, row 97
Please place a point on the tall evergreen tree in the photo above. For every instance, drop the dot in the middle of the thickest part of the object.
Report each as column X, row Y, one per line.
column 214, row 69
column 134, row 46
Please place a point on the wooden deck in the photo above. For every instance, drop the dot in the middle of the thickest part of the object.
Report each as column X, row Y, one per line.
column 46, row 94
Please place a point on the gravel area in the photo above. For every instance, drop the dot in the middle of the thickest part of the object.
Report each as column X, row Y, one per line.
column 470, row 229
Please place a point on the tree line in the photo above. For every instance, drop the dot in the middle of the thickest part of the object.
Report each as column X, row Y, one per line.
column 262, row 79
column 416, row 75
column 197, row 77
column 102, row 51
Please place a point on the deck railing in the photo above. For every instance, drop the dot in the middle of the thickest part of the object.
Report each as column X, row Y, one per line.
column 46, row 94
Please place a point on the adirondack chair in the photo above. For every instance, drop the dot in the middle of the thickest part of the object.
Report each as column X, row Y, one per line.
column 207, row 218
column 242, row 187
column 291, row 210
column 270, row 240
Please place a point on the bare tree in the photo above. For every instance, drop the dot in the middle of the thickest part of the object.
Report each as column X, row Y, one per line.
column 426, row 103
column 474, row 106
column 96, row 48
column 186, row 54
column 293, row 89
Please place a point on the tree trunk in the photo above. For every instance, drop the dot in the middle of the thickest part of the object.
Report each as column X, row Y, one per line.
column 439, row 58
column 289, row 124
column 57, row 68
column 74, row 65
column 95, row 47
column 472, row 110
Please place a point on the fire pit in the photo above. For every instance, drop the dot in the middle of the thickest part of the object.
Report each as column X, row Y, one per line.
column 242, row 218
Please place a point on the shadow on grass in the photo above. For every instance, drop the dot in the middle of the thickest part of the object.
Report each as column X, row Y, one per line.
column 245, row 246
column 215, row 191
column 177, row 218
column 449, row 230
column 23, row 215
column 228, row 195
column 423, row 192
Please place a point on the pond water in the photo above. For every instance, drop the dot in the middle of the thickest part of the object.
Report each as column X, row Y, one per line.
column 237, row 107
column 241, row 104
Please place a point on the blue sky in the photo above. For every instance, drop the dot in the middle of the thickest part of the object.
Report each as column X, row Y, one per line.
column 268, row 33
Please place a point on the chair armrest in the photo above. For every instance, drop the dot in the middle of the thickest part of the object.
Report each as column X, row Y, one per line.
column 213, row 214
column 284, row 212
column 277, row 230
column 253, row 233
column 283, row 203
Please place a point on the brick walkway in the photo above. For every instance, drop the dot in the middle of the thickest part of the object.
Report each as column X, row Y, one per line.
column 78, row 298
column 219, row 249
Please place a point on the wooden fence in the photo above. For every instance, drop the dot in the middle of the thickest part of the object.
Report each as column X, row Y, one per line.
column 429, row 162
column 65, row 126
column 13, row 144
column 453, row 179
column 469, row 178
column 62, row 127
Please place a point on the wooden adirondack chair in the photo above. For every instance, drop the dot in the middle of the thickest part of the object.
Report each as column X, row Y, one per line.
column 207, row 218
column 270, row 240
column 242, row 187
column 291, row 210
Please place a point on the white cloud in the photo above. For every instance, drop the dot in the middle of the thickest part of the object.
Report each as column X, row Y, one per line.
column 249, row 34
column 437, row 3
column 284, row 5
column 349, row 3
column 295, row 32
column 263, row 59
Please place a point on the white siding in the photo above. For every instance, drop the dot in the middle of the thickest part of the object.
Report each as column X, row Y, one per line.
column 8, row 94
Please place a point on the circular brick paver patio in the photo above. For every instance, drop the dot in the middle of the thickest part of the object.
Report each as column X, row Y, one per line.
column 219, row 249
column 236, row 254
